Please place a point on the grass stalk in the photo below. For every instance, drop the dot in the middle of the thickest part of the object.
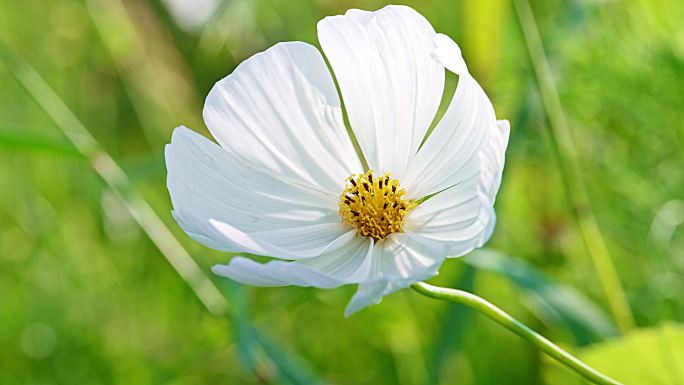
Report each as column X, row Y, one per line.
column 565, row 153
column 117, row 180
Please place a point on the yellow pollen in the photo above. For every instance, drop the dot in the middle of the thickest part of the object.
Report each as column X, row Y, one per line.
column 374, row 205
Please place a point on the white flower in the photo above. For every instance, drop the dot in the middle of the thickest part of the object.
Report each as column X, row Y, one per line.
column 285, row 180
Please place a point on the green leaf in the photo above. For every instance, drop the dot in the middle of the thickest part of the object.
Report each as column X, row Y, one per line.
column 25, row 140
column 551, row 301
column 652, row 356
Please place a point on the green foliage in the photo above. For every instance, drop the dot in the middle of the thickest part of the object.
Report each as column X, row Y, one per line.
column 651, row 356
column 87, row 297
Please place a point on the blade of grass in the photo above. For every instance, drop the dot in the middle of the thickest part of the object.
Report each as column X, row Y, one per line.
column 454, row 323
column 245, row 336
column 292, row 368
column 117, row 180
column 23, row 140
column 552, row 302
column 565, row 153
column 248, row 337
column 147, row 61
column 253, row 343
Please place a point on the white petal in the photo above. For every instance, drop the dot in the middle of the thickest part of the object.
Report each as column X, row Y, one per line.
column 462, row 217
column 452, row 222
column 250, row 209
column 450, row 211
column 351, row 263
column 449, row 154
column 492, row 159
column 390, row 85
column 274, row 273
column 318, row 240
column 448, row 54
column 341, row 264
column 279, row 111
column 398, row 261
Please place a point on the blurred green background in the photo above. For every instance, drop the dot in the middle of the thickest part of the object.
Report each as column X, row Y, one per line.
column 97, row 285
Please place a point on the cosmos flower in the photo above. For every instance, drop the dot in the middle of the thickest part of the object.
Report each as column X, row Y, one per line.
column 286, row 181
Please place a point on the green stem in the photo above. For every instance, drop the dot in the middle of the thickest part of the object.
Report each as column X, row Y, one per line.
column 510, row 323
column 563, row 147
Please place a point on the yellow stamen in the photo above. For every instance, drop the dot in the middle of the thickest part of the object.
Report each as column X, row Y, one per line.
column 374, row 205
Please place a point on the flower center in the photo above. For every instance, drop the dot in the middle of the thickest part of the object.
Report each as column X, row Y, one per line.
column 374, row 205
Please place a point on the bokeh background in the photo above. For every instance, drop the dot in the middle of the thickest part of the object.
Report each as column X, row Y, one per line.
column 98, row 285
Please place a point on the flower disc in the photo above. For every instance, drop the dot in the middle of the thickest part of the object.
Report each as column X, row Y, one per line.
column 374, row 205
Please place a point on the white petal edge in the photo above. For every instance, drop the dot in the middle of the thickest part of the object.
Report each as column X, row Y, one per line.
column 447, row 53
column 492, row 160
column 390, row 85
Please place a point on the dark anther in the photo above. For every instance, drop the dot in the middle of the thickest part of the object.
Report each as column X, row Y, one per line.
column 355, row 213
column 370, row 178
column 385, row 205
column 394, row 188
column 352, row 182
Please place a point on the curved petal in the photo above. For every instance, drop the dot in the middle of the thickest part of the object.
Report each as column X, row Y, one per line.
column 450, row 153
column 398, row 261
column 351, row 264
column 462, row 217
column 449, row 212
column 250, row 210
column 274, row 273
column 447, row 53
column 338, row 266
column 390, row 85
column 453, row 222
column 279, row 111
column 492, row 159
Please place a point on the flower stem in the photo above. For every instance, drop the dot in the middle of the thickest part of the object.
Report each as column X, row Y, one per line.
column 510, row 323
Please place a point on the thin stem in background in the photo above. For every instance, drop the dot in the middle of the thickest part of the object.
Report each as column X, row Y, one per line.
column 574, row 186
column 117, row 180
column 504, row 319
